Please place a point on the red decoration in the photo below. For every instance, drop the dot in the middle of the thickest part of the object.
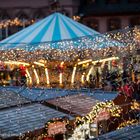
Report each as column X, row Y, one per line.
column 114, row 63
column 60, row 68
column 22, row 70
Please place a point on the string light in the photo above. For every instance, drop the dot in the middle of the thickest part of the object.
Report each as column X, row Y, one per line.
column 127, row 123
column 15, row 22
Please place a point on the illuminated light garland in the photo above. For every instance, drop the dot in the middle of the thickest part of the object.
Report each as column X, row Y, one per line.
column 127, row 123
column 110, row 106
column 135, row 105
column 15, row 22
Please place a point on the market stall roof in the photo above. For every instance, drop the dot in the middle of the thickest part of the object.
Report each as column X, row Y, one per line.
column 78, row 104
column 38, row 94
column 10, row 98
column 56, row 31
column 127, row 133
column 18, row 120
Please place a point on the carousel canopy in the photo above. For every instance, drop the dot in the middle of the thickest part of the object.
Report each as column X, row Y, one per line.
column 58, row 32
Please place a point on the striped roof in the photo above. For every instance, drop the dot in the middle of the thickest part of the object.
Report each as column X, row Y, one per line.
column 55, row 27
column 57, row 32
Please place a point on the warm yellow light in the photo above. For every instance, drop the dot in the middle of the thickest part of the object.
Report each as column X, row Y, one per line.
column 40, row 64
column 62, row 63
column 47, row 76
column 86, row 61
column 73, row 75
column 82, row 78
column 16, row 63
column 60, row 78
column 91, row 69
column 28, row 76
column 106, row 59
column 36, row 75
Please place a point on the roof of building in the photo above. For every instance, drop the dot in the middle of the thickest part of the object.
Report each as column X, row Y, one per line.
column 57, row 32
column 38, row 94
column 78, row 104
column 10, row 98
column 18, row 120
column 127, row 133
column 55, row 27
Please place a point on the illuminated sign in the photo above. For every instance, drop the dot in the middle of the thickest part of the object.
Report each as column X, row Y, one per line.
column 56, row 128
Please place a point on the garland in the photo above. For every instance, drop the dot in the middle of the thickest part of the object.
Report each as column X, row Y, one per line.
column 127, row 123
column 114, row 111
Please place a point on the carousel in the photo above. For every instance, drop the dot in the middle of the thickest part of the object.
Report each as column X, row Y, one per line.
column 57, row 52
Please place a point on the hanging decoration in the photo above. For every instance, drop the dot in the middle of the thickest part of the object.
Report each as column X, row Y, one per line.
column 15, row 22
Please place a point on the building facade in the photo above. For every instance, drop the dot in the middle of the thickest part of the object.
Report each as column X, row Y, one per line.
column 108, row 15
column 32, row 10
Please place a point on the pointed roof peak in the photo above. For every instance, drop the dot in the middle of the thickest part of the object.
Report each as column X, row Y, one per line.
column 55, row 27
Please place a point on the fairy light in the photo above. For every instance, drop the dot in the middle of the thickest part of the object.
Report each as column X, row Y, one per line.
column 15, row 22
column 127, row 123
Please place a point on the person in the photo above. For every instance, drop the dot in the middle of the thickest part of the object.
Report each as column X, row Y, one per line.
column 107, row 86
column 128, row 90
column 138, row 89
column 135, row 89
column 23, row 75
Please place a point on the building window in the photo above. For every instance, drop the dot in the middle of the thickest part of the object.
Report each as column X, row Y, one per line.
column 133, row 1
column 3, row 33
column 39, row 14
column 134, row 21
column 114, row 24
column 94, row 24
column 112, row 1
column 91, row 1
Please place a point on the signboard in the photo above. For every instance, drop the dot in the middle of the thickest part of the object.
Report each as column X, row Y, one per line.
column 103, row 115
column 56, row 128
